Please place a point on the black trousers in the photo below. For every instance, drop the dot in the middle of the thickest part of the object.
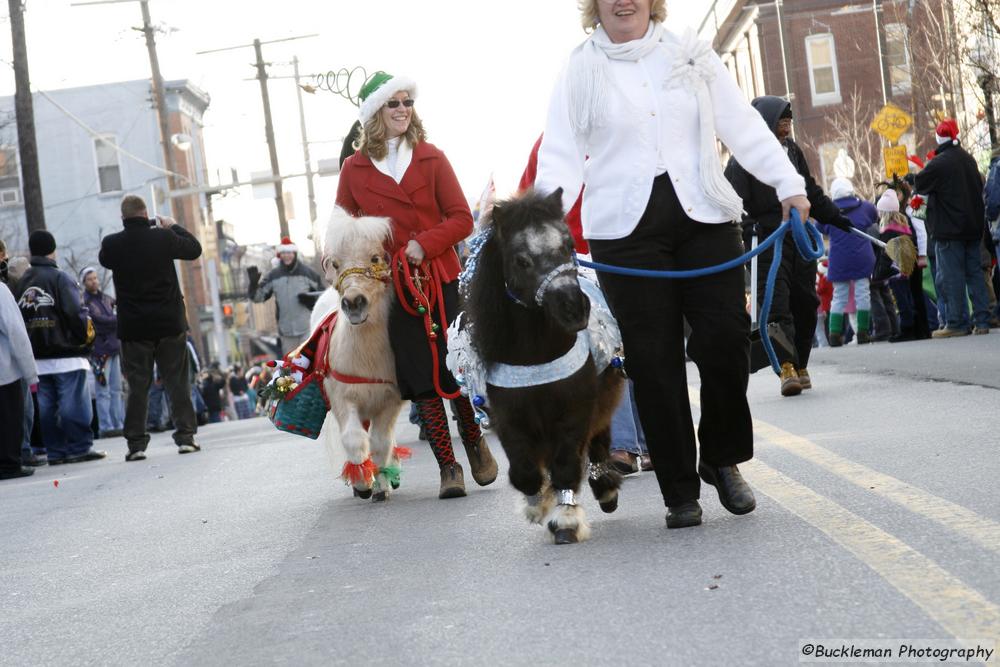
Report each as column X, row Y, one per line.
column 414, row 363
column 12, row 432
column 171, row 358
column 795, row 303
column 651, row 313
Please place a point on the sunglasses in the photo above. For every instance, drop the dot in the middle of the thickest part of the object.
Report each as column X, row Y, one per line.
column 394, row 104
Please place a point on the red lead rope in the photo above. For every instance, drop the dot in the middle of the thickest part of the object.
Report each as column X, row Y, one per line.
column 420, row 303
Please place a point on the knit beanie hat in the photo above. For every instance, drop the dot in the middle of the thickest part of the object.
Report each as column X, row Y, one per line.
column 946, row 130
column 377, row 91
column 41, row 243
column 888, row 202
column 841, row 187
column 86, row 271
column 286, row 245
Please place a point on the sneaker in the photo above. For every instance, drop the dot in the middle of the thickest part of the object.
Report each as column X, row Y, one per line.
column 452, row 481
column 624, row 462
column 139, row 455
column 17, row 472
column 188, row 448
column 790, row 385
column 36, row 461
column 981, row 331
column 949, row 333
column 92, row 455
column 804, row 380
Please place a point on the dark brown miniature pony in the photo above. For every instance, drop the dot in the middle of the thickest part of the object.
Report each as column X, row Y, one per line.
column 526, row 308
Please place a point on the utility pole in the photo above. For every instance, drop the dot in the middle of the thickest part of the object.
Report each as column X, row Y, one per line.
column 305, row 155
column 31, row 183
column 272, row 150
column 179, row 212
column 268, row 126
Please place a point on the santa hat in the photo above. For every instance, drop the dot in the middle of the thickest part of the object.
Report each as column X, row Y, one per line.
column 946, row 130
column 287, row 246
column 841, row 187
column 377, row 91
column 888, row 202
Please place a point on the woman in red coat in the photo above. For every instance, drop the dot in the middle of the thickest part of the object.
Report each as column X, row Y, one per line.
column 396, row 174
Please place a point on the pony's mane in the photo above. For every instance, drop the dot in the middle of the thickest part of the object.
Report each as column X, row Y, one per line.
column 345, row 231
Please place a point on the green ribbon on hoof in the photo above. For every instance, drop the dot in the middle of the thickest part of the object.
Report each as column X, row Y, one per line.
column 391, row 474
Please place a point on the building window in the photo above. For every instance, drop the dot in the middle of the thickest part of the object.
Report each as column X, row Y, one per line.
column 898, row 57
column 823, row 78
column 108, row 171
column 10, row 177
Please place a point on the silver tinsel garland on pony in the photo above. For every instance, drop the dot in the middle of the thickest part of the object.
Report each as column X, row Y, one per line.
column 601, row 340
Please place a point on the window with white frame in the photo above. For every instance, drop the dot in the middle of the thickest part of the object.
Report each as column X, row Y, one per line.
column 823, row 78
column 897, row 57
column 10, row 177
column 108, row 171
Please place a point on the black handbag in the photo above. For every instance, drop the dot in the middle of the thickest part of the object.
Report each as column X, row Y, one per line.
column 780, row 342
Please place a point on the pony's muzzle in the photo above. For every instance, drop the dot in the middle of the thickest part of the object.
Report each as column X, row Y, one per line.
column 568, row 306
column 355, row 307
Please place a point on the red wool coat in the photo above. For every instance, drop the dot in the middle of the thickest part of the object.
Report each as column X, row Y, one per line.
column 426, row 206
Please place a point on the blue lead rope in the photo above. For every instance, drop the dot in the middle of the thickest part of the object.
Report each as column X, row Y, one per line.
column 808, row 241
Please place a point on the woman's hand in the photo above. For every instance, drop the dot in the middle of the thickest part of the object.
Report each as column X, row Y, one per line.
column 414, row 252
column 799, row 202
column 922, row 261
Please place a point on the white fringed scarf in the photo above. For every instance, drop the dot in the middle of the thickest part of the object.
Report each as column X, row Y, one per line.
column 590, row 84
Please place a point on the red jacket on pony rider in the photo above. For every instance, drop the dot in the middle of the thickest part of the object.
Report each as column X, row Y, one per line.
column 427, row 206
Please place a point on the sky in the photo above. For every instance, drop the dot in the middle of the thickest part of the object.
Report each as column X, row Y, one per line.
column 484, row 70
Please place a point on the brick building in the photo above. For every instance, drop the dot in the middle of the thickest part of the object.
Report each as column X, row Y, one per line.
column 825, row 56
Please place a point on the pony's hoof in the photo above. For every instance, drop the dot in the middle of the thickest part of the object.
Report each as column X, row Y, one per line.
column 565, row 536
column 380, row 497
column 610, row 506
column 364, row 495
column 394, row 485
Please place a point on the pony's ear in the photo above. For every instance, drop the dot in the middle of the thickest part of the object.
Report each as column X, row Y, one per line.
column 556, row 197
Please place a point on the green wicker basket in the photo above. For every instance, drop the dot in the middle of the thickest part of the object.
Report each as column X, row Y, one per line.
column 303, row 410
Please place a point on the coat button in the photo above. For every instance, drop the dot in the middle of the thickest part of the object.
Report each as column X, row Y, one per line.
column 413, row 235
column 381, row 206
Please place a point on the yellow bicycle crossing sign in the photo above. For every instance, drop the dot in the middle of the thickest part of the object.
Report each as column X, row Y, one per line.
column 892, row 122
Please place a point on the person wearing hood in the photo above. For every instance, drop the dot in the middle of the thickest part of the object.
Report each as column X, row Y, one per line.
column 956, row 220
column 61, row 335
column 794, row 304
column 295, row 288
column 851, row 261
column 105, row 358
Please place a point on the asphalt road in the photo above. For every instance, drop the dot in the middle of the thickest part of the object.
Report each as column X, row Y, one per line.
column 878, row 519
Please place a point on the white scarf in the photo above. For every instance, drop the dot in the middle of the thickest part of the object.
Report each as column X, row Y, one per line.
column 397, row 160
column 590, row 84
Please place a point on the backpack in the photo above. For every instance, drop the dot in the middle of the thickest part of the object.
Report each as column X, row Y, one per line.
column 992, row 192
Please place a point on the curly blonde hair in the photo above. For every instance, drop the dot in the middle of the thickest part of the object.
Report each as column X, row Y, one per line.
column 589, row 16
column 371, row 141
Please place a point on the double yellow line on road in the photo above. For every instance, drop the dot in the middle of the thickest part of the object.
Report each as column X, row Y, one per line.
column 960, row 609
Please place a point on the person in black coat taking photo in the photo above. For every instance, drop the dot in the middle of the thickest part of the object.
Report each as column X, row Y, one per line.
column 794, row 305
column 152, row 324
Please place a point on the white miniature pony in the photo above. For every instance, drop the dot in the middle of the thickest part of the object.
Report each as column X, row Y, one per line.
column 360, row 383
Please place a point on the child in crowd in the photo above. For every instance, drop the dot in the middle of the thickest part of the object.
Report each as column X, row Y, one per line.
column 851, row 262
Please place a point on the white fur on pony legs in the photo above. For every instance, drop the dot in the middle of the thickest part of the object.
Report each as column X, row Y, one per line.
column 382, row 440
column 538, row 506
column 353, row 437
column 570, row 517
column 331, row 443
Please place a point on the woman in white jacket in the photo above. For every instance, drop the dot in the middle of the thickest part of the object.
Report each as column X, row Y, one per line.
column 634, row 117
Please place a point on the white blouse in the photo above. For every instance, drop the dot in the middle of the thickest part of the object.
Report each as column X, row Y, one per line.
column 652, row 127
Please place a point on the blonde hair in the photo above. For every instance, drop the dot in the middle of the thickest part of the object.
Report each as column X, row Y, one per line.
column 590, row 17
column 371, row 141
column 133, row 206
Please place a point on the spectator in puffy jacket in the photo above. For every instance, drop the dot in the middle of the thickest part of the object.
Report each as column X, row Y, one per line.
column 295, row 288
column 105, row 358
column 851, row 261
column 61, row 335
